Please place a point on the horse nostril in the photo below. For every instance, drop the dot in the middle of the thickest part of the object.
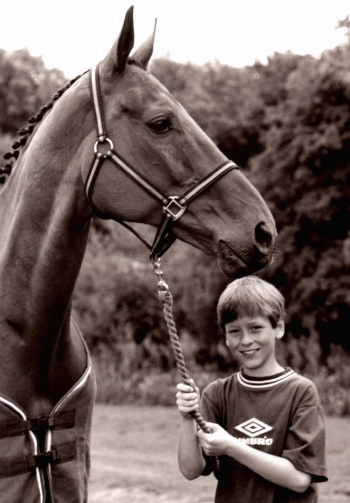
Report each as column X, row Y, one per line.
column 263, row 235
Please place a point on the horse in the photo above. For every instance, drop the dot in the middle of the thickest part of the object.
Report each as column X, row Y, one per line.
column 76, row 160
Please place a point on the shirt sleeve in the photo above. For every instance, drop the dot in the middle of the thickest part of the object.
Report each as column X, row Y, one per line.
column 209, row 411
column 208, row 407
column 305, row 439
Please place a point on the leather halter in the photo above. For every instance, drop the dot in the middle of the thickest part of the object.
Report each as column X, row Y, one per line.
column 173, row 206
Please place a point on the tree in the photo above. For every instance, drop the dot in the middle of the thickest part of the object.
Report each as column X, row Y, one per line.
column 25, row 85
column 344, row 23
column 306, row 166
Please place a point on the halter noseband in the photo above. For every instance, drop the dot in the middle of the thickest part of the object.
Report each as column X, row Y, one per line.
column 173, row 206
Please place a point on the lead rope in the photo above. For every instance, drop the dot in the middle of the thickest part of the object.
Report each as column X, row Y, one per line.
column 166, row 298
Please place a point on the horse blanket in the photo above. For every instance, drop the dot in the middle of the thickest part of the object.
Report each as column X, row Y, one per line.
column 59, row 472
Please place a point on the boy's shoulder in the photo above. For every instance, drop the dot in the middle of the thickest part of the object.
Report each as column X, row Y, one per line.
column 287, row 382
column 221, row 384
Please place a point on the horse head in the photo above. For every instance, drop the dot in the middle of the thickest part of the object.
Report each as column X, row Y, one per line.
column 154, row 136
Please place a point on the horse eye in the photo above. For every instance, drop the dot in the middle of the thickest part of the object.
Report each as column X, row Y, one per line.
column 160, row 125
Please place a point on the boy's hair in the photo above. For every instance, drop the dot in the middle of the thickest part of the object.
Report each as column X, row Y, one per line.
column 250, row 296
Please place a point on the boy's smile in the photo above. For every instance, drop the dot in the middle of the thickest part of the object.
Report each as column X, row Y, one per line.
column 252, row 343
column 250, row 352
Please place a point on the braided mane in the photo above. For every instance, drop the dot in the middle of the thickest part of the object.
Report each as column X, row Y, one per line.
column 25, row 132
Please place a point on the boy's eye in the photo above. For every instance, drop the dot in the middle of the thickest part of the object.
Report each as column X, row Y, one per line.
column 233, row 333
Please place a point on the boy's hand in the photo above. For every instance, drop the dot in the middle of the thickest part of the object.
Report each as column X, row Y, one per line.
column 215, row 443
column 187, row 398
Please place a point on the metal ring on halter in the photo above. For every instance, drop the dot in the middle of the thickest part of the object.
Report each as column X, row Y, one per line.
column 101, row 143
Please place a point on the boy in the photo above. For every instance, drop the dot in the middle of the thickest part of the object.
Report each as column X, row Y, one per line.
column 266, row 421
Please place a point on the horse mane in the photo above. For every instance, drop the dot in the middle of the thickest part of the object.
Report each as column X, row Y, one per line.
column 34, row 120
column 25, row 132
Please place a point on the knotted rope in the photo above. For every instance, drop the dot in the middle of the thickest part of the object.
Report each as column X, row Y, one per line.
column 166, row 298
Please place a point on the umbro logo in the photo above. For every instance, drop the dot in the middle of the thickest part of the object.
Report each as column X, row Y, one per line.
column 253, row 427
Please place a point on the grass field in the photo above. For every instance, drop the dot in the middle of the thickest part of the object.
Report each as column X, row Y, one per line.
column 134, row 459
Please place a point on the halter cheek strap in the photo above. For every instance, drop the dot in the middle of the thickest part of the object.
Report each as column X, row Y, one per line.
column 173, row 206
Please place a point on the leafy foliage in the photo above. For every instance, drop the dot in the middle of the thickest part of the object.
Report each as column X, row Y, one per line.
column 25, row 85
column 306, row 168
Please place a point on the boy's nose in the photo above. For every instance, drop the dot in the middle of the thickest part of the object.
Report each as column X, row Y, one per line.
column 246, row 338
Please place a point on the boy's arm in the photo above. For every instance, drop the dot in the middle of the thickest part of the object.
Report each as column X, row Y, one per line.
column 277, row 470
column 190, row 456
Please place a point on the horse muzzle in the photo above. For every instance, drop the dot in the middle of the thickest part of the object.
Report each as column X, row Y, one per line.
column 237, row 260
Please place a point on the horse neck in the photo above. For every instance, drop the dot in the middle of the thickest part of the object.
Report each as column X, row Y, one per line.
column 46, row 222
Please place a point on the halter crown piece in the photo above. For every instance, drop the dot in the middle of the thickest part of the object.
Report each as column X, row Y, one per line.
column 173, row 206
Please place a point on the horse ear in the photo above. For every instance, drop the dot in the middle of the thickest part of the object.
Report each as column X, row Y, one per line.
column 117, row 57
column 125, row 41
column 143, row 54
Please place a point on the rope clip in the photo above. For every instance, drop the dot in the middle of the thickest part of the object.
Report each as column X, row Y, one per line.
column 163, row 288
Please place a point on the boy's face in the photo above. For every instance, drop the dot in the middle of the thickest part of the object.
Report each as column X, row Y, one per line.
column 252, row 343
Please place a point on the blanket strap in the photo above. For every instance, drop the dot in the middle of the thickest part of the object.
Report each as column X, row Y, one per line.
column 60, row 421
column 17, row 465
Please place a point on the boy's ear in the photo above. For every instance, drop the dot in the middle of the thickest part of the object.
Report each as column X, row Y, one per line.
column 279, row 329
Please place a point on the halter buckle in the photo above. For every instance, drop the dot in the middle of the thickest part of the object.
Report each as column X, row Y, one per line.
column 177, row 206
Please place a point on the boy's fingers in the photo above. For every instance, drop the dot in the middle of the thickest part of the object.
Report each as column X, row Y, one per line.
column 185, row 387
column 186, row 403
column 186, row 395
column 212, row 426
column 193, row 384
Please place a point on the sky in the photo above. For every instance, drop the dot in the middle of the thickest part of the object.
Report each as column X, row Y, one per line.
column 73, row 35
